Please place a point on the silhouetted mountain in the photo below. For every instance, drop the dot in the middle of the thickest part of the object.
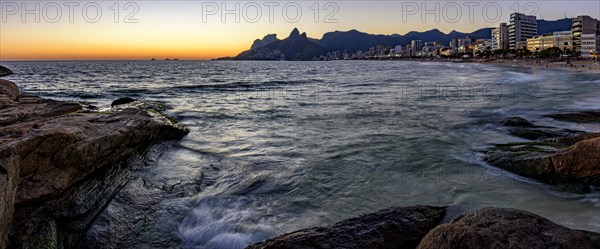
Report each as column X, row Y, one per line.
column 355, row 40
column 296, row 47
column 268, row 39
column 299, row 47
column 547, row 27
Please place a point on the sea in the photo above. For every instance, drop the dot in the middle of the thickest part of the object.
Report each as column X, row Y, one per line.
column 280, row 146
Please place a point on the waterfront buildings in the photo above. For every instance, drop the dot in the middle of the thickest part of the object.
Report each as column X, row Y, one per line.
column 584, row 25
column 561, row 39
column 590, row 45
column 500, row 37
column 521, row 28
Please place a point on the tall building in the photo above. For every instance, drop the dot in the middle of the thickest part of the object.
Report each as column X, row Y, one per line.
column 398, row 49
column 590, row 44
column 454, row 45
column 584, row 25
column 500, row 37
column 521, row 28
column 417, row 47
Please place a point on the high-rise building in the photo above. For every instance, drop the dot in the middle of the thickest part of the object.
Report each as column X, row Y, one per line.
column 584, row 25
column 500, row 37
column 417, row 46
column 521, row 28
column 590, row 44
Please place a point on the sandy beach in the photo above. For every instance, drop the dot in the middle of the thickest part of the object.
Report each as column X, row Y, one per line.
column 575, row 65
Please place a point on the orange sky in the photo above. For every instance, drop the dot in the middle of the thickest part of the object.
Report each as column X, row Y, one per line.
column 176, row 29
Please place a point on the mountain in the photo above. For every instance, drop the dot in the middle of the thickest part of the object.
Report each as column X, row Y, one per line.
column 268, row 39
column 296, row 47
column 547, row 27
column 299, row 47
column 355, row 40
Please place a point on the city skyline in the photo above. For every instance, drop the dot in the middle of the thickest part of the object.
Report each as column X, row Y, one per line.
column 154, row 29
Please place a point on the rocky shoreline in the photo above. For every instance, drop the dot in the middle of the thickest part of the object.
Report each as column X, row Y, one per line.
column 61, row 162
column 567, row 159
column 421, row 227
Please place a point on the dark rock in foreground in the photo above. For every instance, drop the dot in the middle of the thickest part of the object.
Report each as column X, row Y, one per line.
column 5, row 71
column 59, row 165
column 505, row 228
column 572, row 162
column 390, row 228
column 9, row 89
column 517, row 122
column 541, row 133
column 122, row 101
column 522, row 128
column 579, row 117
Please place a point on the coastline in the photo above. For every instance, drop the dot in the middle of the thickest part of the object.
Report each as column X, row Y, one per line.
column 575, row 66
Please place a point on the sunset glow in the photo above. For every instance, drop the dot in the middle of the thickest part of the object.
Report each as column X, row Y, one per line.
column 176, row 29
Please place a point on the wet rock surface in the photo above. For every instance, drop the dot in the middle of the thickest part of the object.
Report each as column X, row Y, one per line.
column 5, row 71
column 401, row 227
column 505, row 228
column 579, row 117
column 565, row 158
column 60, row 165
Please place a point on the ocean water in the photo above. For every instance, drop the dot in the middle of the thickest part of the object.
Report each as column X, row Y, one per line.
column 280, row 146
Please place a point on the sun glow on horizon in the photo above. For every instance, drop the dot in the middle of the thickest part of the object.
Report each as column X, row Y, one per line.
column 181, row 29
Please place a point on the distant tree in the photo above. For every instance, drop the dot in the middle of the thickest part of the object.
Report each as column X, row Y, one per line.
column 550, row 53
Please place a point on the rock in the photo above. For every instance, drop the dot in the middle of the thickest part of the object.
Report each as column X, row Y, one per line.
column 400, row 227
column 5, row 71
column 10, row 89
column 541, row 133
column 122, row 101
column 578, row 117
column 504, row 228
column 57, row 163
column 575, row 166
column 516, row 122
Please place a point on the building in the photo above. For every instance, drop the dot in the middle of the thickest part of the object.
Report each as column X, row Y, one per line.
column 563, row 40
column 584, row 25
column 559, row 39
column 398, row 49
column 590, row 44
column 464, row 45
column 500, row 37
column 521, row 28
column 417, row 47
column 540, row 43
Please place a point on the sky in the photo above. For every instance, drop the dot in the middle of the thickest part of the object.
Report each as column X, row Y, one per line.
column 198, row 30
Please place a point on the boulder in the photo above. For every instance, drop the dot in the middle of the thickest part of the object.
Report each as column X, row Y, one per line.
column 5, row 71
column 399, row 227
column 504, row 228
column 516, row 122
column 571, row 163
column 542, row 133
column 59, row 163
column 9, row 89
column 578, row 117
column 122, row 101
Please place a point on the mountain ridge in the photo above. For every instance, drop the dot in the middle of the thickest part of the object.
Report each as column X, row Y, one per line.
column 353, row 40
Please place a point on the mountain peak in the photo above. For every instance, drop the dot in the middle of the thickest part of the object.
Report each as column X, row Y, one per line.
column 295, row 33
